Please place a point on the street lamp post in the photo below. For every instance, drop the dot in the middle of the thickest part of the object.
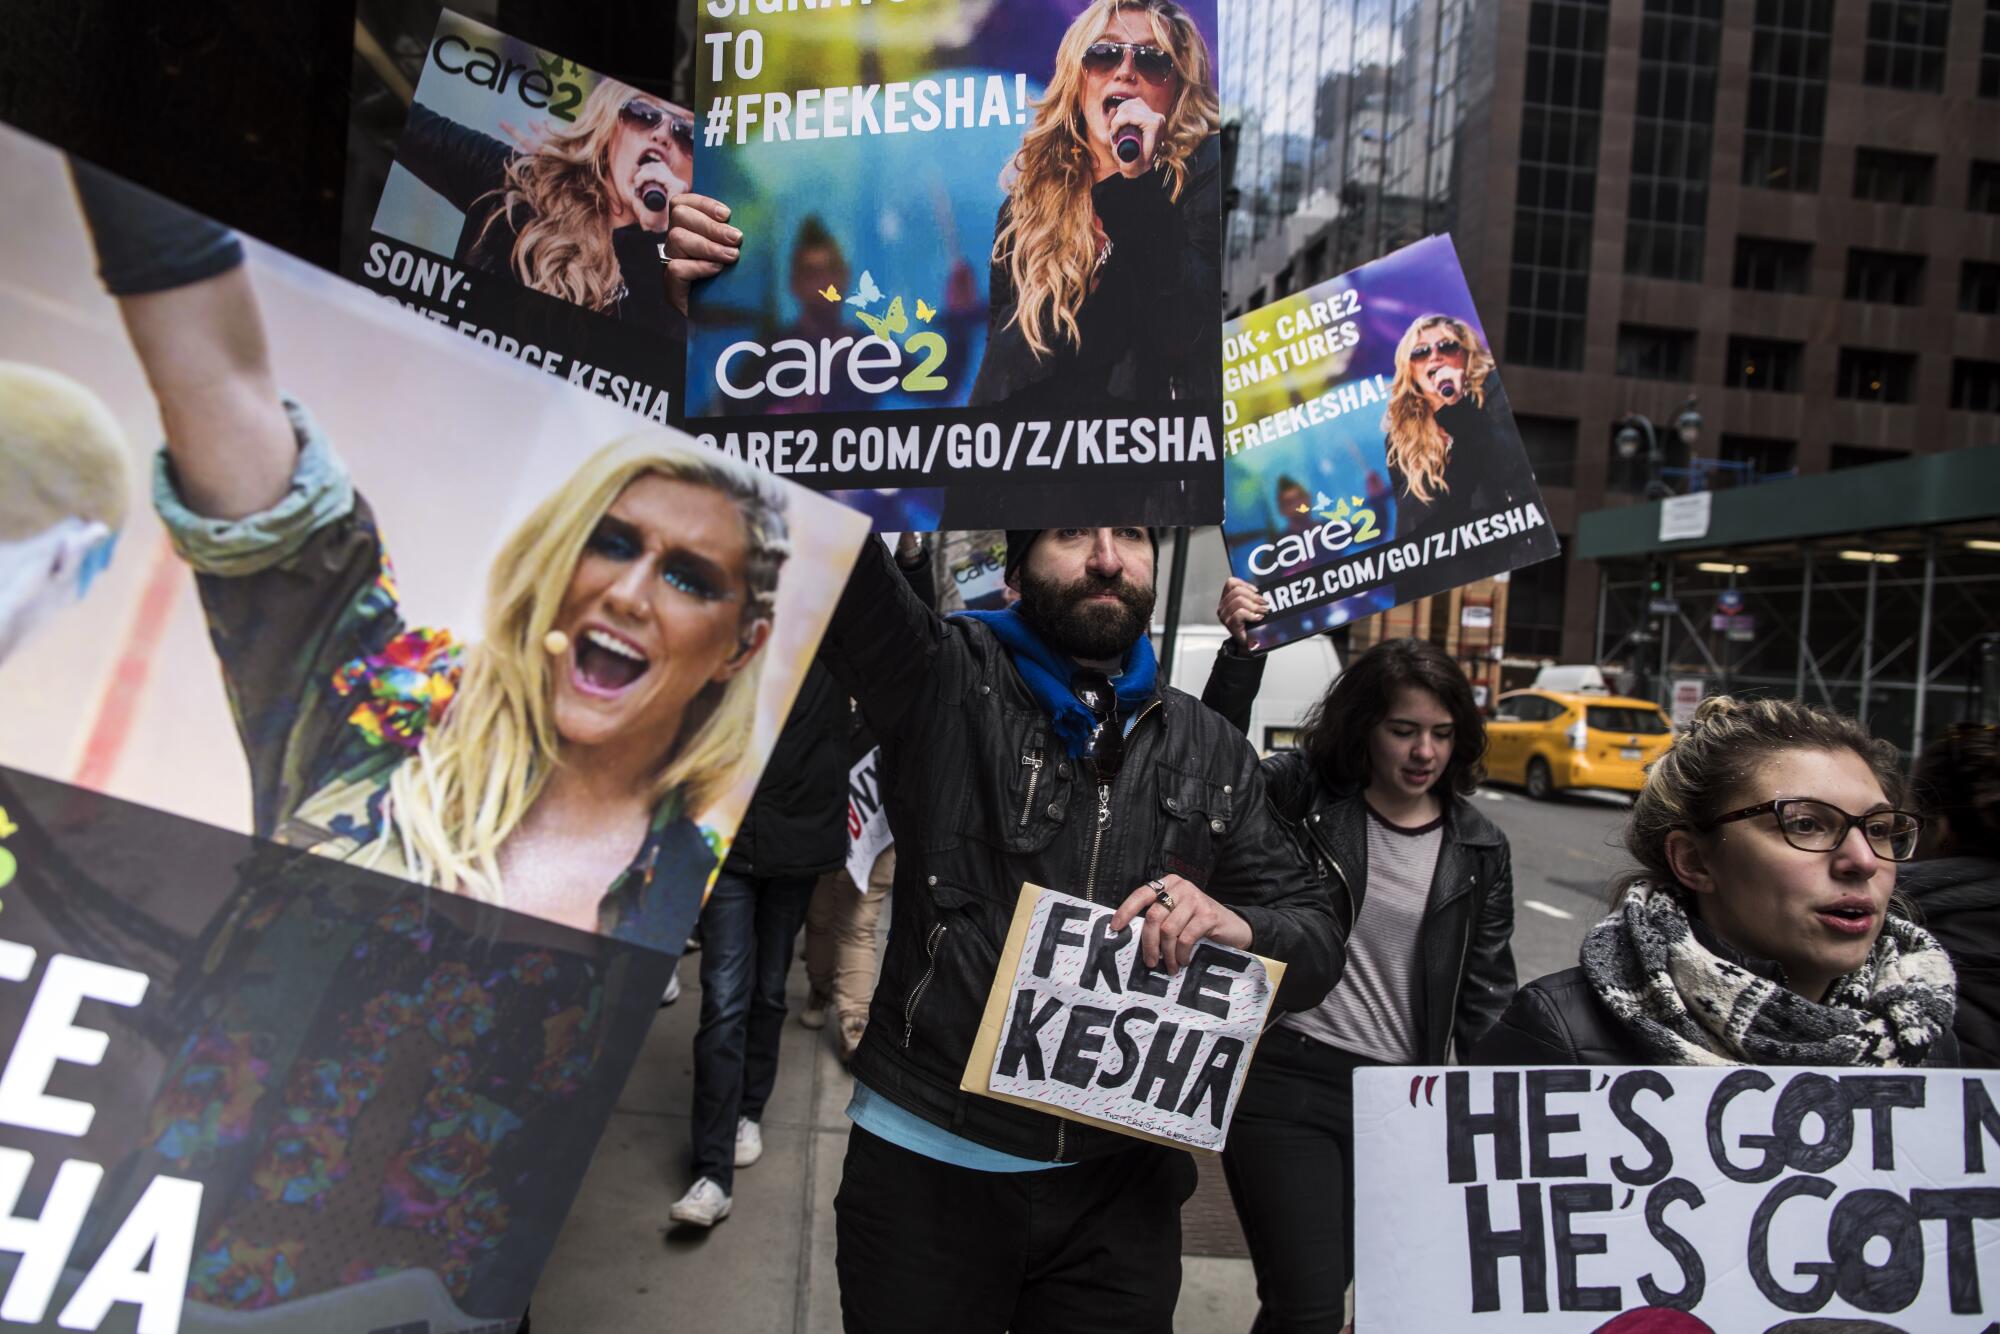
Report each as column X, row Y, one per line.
column 1636, row 433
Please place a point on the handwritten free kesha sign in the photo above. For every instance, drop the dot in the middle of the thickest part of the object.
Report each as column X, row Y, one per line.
column 1078, row 1025
column 1749, row 1199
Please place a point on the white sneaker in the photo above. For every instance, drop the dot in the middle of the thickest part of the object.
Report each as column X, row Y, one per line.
column 673, row 987
column 704, row 1205
column 749, row 1141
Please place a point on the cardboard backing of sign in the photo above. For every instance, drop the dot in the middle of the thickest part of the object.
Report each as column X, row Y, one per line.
column 979, row 1065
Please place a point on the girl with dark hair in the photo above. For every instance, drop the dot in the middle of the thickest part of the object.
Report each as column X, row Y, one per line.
column 1956, row 887
column 1376, row 793
column 1759, row 926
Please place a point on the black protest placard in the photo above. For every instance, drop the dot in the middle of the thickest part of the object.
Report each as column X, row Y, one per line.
column 1076, row 1024
column 980, row 273
column 249, row 1087
column 1709, row 1198
column 527, row 209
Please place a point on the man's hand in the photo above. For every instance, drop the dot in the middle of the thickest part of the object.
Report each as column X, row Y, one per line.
column 1168, row 938
column 1240, row 606
column 700, row 244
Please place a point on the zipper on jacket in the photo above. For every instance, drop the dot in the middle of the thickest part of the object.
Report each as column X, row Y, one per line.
column 1326, row 850
column 1033, row 759
column 1458, row 975
column 1097, row 840
column 917, row 993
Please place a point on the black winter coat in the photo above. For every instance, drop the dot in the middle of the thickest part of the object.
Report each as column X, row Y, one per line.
column 470, row 170
column 983, row 797
column 1958, row 901
column 1465, row 942
column 1558, row 1020
column 1149, row 332
column 796, row 824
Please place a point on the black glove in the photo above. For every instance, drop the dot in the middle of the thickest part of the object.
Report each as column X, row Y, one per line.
column 146, row 242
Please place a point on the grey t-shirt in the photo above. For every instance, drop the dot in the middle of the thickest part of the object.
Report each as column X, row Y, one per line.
column 1372, row 1012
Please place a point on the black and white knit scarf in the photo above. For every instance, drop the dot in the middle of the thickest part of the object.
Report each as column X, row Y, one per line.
column 1689, row 1006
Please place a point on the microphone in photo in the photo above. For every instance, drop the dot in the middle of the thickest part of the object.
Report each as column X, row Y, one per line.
column 555, row 643
column 654, row 198
column 1128, row 143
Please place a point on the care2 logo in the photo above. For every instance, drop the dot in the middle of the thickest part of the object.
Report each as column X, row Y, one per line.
column 542, row 86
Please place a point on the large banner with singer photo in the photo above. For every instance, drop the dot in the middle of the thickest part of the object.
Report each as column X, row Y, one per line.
column 972, row 271
column 1371, row 455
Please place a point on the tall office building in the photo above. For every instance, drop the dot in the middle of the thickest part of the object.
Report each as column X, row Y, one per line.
column 1783, row 208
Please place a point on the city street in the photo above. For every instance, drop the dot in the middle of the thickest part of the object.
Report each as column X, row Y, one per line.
column 1565, row 853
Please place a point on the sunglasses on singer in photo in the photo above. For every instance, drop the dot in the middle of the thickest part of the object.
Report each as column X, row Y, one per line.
column 1814, row 826
column 1107, row 740
column 648, row 115
column 1153, row 64
column 1444, row 347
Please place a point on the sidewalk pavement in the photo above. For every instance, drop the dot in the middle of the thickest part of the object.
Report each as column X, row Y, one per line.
column 768, row 1268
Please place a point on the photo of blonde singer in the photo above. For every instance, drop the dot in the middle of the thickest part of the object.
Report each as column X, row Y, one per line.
column 555, row 765
column 1444, row 466
column 1107, row 256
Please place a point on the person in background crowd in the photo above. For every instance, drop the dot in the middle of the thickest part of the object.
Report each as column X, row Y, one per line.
column 1037, row 744
column 1759, row 926
column 1956, row 886
column 1378, row 790
column 794, row 830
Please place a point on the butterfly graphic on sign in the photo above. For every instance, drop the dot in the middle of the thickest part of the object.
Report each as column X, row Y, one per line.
column 894, row 321
column 867, row 294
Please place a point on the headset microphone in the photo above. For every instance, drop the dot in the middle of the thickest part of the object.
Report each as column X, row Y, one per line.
column 555, row 643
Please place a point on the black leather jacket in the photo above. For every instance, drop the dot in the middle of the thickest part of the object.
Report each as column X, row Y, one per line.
column 982, row 797
column 1466, row 939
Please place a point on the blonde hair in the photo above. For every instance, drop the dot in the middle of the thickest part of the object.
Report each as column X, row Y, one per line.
column 564, row 186
column 480, row 769
column 62, row 454
column 1717, row 754
column 1047, row 243
column 1418, row 446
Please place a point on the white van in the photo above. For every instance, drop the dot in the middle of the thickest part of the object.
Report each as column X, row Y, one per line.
column 1586, row 680
column 1295, row 678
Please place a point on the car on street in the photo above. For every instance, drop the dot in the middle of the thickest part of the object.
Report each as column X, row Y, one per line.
column 1551, row 741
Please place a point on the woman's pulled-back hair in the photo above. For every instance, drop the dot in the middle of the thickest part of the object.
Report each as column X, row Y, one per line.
column 1703, row 773
column 1335, row 735
column 1958, row 779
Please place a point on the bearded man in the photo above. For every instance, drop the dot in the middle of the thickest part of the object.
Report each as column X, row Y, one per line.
column 1037, row 744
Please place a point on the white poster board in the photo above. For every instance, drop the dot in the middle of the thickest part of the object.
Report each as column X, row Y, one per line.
column 1686, row 517
column 1076, row 1025
column 1688, row 691
column 1557, row 1200
column 867, row 820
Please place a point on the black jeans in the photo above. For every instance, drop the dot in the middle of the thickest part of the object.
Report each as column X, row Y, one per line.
column 1092, row 1248
column 1290, row 1165
column 749, row 929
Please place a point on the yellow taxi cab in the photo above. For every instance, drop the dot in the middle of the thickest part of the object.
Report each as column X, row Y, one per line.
column 1548, row 740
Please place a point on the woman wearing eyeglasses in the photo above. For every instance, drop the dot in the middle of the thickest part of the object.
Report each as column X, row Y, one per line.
column 1446, row 404
column 1761, row 926
column 581, row 211
column 1107, row 260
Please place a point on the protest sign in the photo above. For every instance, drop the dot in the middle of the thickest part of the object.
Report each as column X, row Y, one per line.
column 1077, row 1025
column 933, row 301
column 867, row 818
column 527, row 209
column 609, row 581
column 1371, row 457
column 1558, row 1199
column 248, row 1088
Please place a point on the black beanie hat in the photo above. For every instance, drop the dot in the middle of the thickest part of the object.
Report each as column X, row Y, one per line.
column 1020, row 539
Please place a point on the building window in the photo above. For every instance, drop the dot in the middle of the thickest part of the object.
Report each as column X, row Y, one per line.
column 1760, row 458
column 1906, row 44
column 1876, row 376
column 1785, row 116
column 1889, row 177
column 1535, row 596
column 1975, row 386
column 1764, row 363
column 1674, row 123
column 1549, row 284
column 1862, row 456
column 1885, row 276
column 1766, row 265
column 1551, row 446
column 1989, row 52
column 1979, row 288
column 1982, row 188
column 1649, row 353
